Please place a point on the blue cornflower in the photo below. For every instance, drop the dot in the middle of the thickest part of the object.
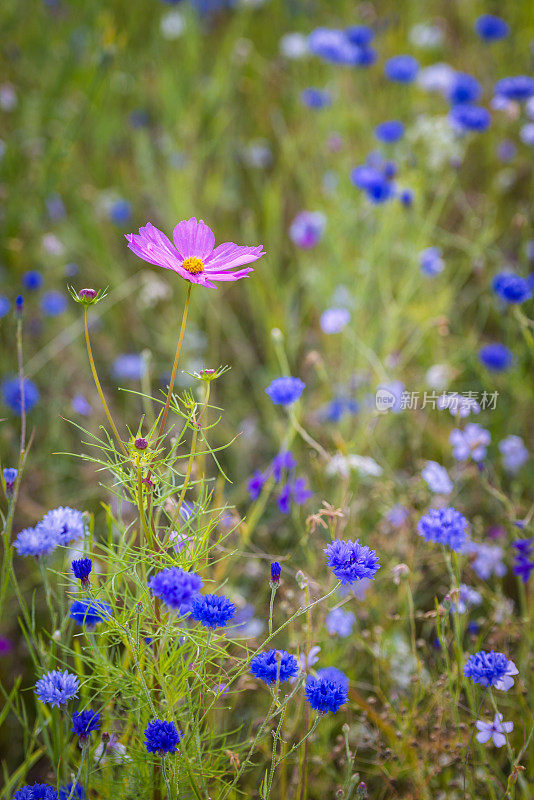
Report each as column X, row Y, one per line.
column 284, row 499
column 66, row 792
column 334, row 674
column 491, row 669
column 84, row 723
column 496, row 356
column 464, row 88
column 337, row 408
column 11, row 394
column 281, row 463
column 39, row 791
column 351, row 561
column 316, row 98
column 162, row 737
column 10, row 476
column 120, row 212
column 65, row 523
column 176, row 587
column 524, row 558
column 402, row 69
column 35, row 542
column 299, row 491
column 325, row 695
column 437, row 478
column 431, row 261
column 406, row 198
column 286, row 390
column 333, row 320
column 511, row 288
column 32, row 280
column 55, row 207
column 128, row 367
column 57, row 687
column 514, row 453
column 307, row 229
column 256, row 484
column 276, row 571
column 445, row 526
column 491, row 28
column 360, row 35
column 82, row 569
column 212, row 611
column 53, row 303
column 467, row 117
column 340, row 622
column 90, row 613
column 522, row 567
column 519, row 87
column 80, row 405
column 5, row 305
column 333, row 46
column 506, row 150
column 390, row 131
column 373, row 182
column 471, row 442
column 268, row 667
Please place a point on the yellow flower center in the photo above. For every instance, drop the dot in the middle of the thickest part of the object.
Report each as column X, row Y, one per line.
column 193, row 265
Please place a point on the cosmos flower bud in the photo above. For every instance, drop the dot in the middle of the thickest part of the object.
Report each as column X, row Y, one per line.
column 87, row 294
column 86, row 297
column 141, row 443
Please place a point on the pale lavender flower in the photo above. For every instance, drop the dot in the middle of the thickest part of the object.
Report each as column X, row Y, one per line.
column 340, row 622
column 495, row 730
column 514, row 453
column 437, row 478
column 470, row 443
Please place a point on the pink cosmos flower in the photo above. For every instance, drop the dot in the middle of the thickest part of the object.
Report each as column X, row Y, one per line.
column 193, row 255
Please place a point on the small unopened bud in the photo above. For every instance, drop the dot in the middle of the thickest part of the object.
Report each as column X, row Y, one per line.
column 141, row 443
column 276, row 571
column 19, row 305
column 148, row 483
column 139, row 607
column 301, row 579
column 10, row 476
column 105, row 737
column 87, row 294
column 400, row 571
column 56, row 636
column 277, row 335
column 361, row 791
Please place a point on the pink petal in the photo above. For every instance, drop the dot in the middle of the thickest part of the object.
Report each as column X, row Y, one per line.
column 230, row 255
column 228, row 276
column 153, row 246
column 498, row 739
column 193, row 238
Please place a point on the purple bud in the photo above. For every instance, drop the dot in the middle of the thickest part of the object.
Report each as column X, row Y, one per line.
column 141, row 443
column 87, row 294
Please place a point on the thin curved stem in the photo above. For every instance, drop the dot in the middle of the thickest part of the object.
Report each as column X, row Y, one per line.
column 175, row 364
column 98, row 386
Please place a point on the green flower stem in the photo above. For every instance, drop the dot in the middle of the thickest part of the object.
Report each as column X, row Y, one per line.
column 174, row 366
column 98, row 386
